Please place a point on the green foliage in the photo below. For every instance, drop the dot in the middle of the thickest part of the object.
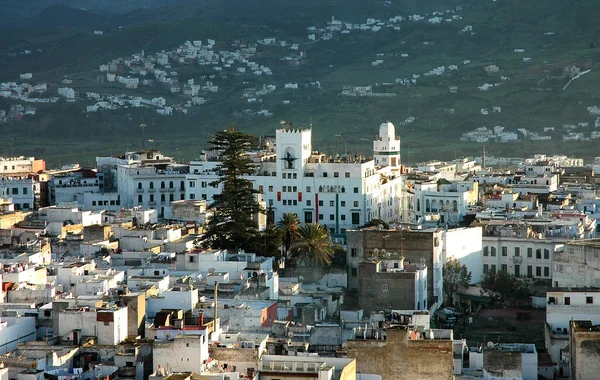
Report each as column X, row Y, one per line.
column 267, row 242
column 377, row 222
column 288, row 225
column 505, row 289
column 314, row 246
column 455, row 276
column 232, row 226
column 339, row 257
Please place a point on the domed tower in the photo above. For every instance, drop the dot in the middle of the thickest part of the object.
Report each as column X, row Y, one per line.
column 386, row 146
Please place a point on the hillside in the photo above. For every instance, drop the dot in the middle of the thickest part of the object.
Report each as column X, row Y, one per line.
column 526, row 92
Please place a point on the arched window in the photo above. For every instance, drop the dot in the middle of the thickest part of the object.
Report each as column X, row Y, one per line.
column 182, row 186
column 152, row 185
column 170, row 184
column 139, row 185
column 418, row 205
column 162, row 185
column 434, row 206
column 493, row 251
column 455, row 205
column 447, row 207
column 486, row 251
column 427, row 206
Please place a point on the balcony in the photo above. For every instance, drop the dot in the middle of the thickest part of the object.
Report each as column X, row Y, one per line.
column 138, row 190
column 291, row 366
column 151, row 190
column 171, row 189
column 163, row 190
column 152, row 203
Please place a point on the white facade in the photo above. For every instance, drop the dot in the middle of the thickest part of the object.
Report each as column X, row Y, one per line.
column 184, row 353
column 465, row 245
column 21, row 191
column 563, row 306
column 175, row 298
column 15, row 330
column 578, row 265
column 443, row 204
column 70, row 186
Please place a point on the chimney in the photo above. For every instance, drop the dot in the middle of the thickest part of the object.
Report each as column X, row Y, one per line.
column 201, row 320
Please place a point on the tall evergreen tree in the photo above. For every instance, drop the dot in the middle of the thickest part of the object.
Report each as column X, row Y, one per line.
column 232, row 226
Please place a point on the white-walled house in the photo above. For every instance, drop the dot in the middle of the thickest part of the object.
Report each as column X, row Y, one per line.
column 562, row 306
column 181, row 353
column 465, row 245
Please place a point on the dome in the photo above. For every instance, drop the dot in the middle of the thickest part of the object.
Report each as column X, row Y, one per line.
column 387, row 131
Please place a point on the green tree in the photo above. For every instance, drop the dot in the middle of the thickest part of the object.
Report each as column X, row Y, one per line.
column 455, row 276
column 313, row 247
column 377, row 222
column 232, row 226
column 289, row 227
column 267, row 242
column 505, row 289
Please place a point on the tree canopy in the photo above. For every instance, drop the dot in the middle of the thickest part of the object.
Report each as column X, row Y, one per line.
column 232, row 225
column 289, row 227
column 505, row 289
column 455, row 276
column 313, row 246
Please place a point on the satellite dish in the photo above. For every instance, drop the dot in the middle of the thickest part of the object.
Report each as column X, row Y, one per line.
column 490, row 344
column 422, row 261
column 376, row 251
column 383, row 252
column 388, row 254
column 167, row 335
column 290, row 335
column 380, row 227
column 300, row 278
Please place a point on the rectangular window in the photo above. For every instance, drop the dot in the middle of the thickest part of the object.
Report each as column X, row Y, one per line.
column 355, row 203
column 331, row 217
column 192, row 183
column 336, row 174
column 295, row 202
column 162, row 198
column 493, row 268
column 308, row 217
column 192, row 196
column 308, row 189
column 384, row 287
column 486, row 268
column 517, row 270
column 567, row 301
column 353, row 252
column 504, row 268
column 530, row 252
column 546, row 254
column 320, row 216
column 24, row 191
column 355, row 218
column 324, row 174
column 343, row 203
column 151, row 197
column 15, row 191
column 546, row 271
column 331, row 203
column 171, row 197
column 271, row 188
column 504, row 251
column 356, row 190
column 203, row 184
column 589, row 300
column 517, row 251
column 285, row 202
column 294, row 175
column 493, row 252
column 320, row 203
column 353, row 270
column 347, row 174
column 538, row 253
column 140, row 198
column 538, row 271
column 93, row 203
column 486, row 251
column 343, row 217
column 308, row 202
column 529, row 271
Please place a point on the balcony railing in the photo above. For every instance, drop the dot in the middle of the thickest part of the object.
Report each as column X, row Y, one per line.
column 291, row 366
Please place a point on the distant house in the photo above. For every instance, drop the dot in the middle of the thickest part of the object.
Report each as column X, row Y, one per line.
column 491, row 69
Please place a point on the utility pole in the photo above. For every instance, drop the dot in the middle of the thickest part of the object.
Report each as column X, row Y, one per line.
column 143, row 127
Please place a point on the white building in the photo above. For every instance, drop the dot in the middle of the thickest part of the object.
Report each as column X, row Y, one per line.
column 465, row 245
column 578, row 265
column 339, row 192
column 15, row 330
column 20, row 191
column 181, row 353
column 563, row 306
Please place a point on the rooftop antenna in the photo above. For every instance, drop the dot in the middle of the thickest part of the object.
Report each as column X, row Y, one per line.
column 483, row 158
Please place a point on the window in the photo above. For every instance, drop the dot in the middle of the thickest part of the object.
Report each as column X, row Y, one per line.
column 171, row 197
column 589, row 300
column 427, row 206
column 546, row 271
column 163, row 198
column 285, row 202
column 567, row 301
column 270, row 188
column 331, row 203
column 355, row 218
column 529, row 252
column 192, row 183
column 320, row 216
column 324, row 174
column 356, row 190
column 308, row 202
column 517, row 270
column 320, row 203
column 15, row 191
column 331, row 217
column 347, row 174
column 191, row 259
column 170, row 184
column 486, row 251
column 418, row 205
column 504, row 268
column 353, row 270
column 308, row 189
column 151, row 185
column 353, row 252
column 294, row 175
column 162, row 184
column 343, row 217
column 546, row 254
column 538, row 271
column 139, row 185
column 504, row 251
column 538, row 253
column 355, row 203
column 384, row 287
column 493, row 268
column 151, row 197
column 343, row 204
column 203, row 184
column 93, row 203
column 24, row 191
column 529, row 271
column 308, row 217
column 140, row 198
column 517, row 251
column 493, row 251
column 192, row 196
column 336, row 174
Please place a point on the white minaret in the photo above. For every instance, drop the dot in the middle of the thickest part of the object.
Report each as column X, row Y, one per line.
column 386, row 146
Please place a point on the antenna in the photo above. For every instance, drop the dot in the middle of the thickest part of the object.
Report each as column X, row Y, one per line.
column 143, row 127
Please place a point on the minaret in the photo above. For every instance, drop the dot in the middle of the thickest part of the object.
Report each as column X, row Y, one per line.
column 386, row 146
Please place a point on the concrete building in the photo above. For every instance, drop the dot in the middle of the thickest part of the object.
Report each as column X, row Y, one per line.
column 578, row 265
column 20, row 166
column 181, row 353
column 15, row 329
column 396, row 353
column 413, row 245
column 506, row 361
column 584, row 349
column 21, row 191
column 70, row 187
column 563, row 306
column 386, row 283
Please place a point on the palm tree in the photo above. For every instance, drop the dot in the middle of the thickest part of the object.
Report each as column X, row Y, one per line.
column 288, row 225
column 313, row 246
